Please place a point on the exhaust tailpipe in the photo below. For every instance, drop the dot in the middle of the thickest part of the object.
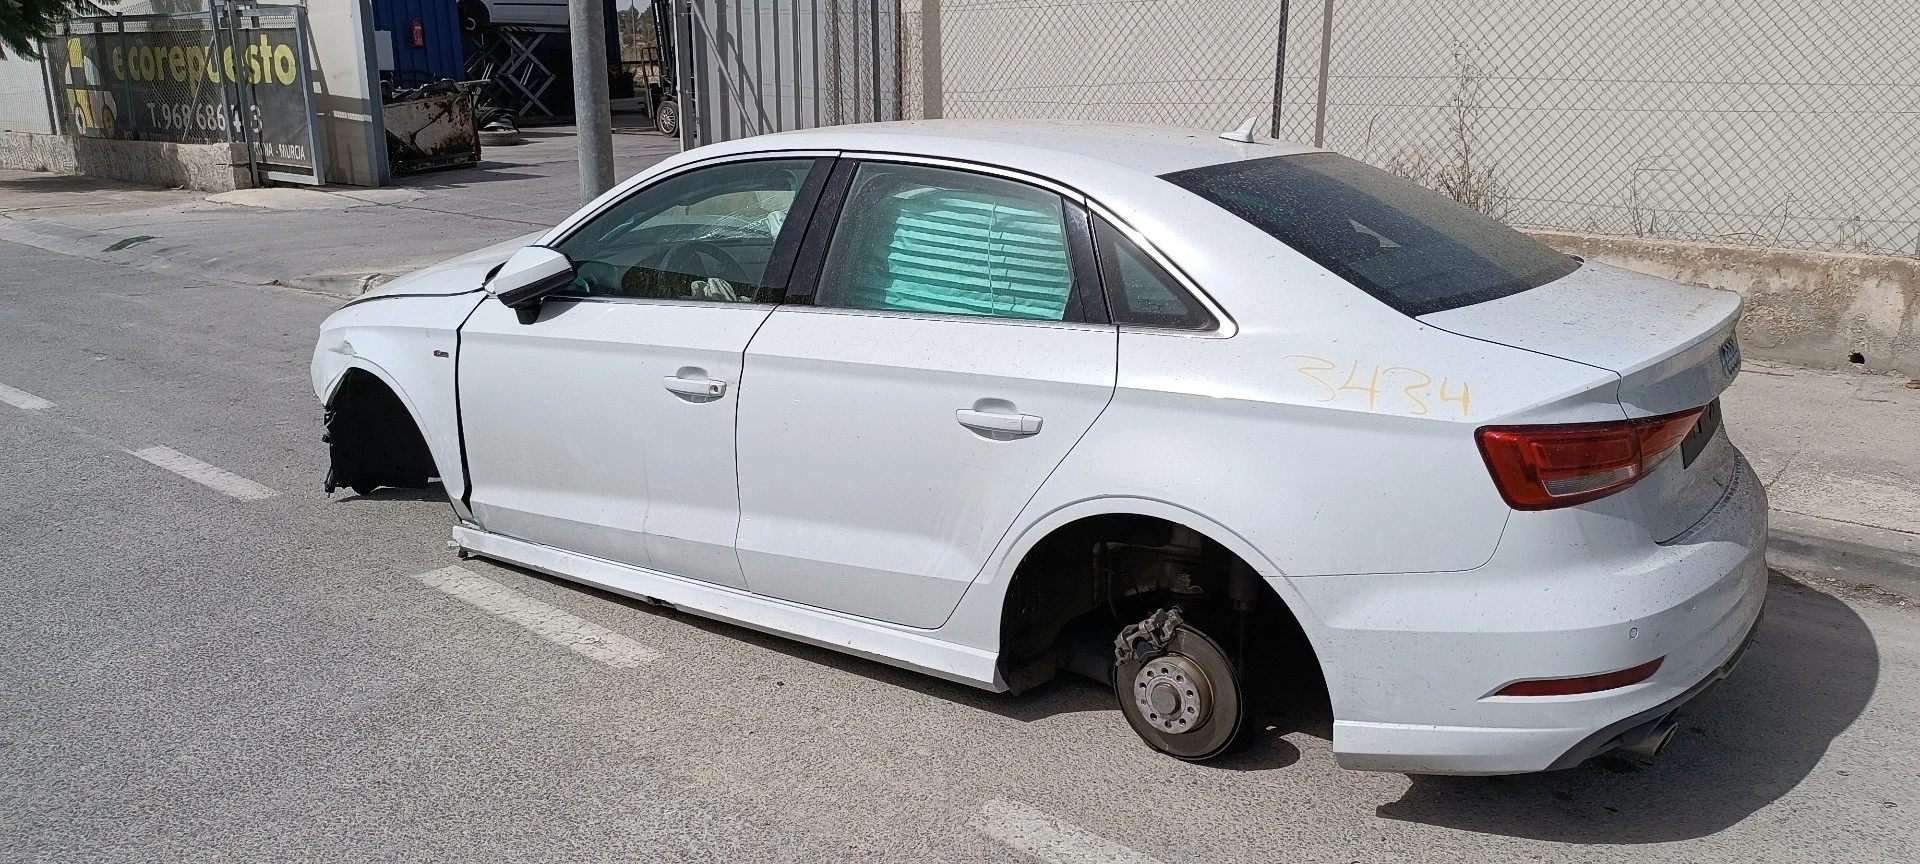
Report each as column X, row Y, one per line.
column 1652, row 740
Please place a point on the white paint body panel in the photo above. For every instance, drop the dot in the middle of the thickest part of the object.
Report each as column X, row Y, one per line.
column 860, row 491
column 863, row 638
column 1667, row 343
column 575, row 441
column 1575, row 589
column 1662, row 339
column 394, row 339
column 453, row 276
column 1321, row 436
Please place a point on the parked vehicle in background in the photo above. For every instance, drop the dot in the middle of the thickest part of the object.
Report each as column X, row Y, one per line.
column 476, row 14
column 995, row 400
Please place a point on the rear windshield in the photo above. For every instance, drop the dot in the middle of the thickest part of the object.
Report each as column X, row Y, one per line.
column 1414, row 249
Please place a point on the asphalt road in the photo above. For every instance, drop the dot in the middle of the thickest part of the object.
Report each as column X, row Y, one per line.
column 193, row 672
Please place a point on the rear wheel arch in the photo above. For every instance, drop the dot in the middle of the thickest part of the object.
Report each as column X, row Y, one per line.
column 1040, row 529
column 1052, row 591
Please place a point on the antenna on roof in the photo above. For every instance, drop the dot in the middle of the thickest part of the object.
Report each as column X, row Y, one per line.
column 1244, row 134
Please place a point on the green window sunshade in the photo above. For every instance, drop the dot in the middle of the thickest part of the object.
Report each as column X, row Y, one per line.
column 955, row 251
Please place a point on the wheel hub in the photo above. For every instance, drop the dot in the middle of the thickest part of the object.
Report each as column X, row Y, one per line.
column 1173, row 694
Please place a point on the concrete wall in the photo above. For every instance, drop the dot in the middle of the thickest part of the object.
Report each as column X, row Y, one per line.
column 30, row 151
column 1813, row 308
column 206, row 167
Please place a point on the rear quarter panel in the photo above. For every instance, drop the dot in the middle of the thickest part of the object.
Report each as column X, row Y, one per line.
column 1330, row 455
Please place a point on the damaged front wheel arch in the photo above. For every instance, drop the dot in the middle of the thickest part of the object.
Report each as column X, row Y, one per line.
column 372, row 439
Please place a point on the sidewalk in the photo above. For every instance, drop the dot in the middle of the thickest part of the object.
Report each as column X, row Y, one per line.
column 1840, row 454
column 1839, row 451
column 337, row 240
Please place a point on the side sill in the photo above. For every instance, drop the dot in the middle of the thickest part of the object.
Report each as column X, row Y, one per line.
column 844, row 633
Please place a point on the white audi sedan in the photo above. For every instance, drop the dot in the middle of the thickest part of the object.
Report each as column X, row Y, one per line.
column 1189, row 414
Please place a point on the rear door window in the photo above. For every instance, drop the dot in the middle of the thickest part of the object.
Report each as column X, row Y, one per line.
column 1412, row 248
column 915, row 238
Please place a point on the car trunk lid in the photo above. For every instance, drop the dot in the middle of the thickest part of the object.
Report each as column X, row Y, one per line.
column 1672, row 345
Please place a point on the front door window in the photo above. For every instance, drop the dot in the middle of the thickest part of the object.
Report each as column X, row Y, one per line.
column 704, row 235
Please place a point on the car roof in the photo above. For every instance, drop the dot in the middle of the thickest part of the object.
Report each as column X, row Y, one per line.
column 1147, row 149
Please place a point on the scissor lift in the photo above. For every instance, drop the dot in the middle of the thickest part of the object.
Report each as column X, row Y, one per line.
column 526, row 70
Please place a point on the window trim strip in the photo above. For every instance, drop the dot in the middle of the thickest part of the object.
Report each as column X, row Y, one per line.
column 567, row 227
column 811, row 254
column 1227, row 326
column 786, row 248
column 1095, row 306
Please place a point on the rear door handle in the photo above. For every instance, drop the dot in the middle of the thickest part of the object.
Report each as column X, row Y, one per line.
column 696, row 388
column 991, row 422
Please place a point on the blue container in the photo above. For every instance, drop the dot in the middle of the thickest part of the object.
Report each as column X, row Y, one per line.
column 439, row 56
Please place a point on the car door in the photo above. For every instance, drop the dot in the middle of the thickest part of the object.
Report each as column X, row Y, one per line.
column 921, row 383
column 606, row 425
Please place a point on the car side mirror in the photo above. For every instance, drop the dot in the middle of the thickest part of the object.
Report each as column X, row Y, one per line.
column 528, row 277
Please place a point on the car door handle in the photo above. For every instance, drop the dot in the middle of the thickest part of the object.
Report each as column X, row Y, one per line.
column 697, row 388
column 1020, row 425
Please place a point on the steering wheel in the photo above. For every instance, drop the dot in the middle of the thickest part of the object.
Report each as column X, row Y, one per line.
column 703, row 258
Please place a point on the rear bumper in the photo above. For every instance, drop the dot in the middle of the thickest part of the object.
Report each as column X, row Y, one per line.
column 1414, row 659
column 1640, row 725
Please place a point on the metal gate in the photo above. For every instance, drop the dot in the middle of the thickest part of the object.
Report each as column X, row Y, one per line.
column 759, row 66
column 236, row 72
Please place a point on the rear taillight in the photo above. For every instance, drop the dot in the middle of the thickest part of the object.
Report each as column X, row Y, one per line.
column 1543, row 467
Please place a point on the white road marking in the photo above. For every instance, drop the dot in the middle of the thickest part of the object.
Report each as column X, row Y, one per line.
column 577, row 634
column 23, row 400
column 224, row 482
column 1050, row 839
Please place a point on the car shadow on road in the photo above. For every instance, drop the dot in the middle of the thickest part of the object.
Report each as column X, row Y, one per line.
column 465, row 175
column 1066, row 694
column 432, row 492
column 1810, row 673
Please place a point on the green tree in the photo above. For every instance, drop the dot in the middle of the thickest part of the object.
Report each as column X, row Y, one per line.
column 24, row 24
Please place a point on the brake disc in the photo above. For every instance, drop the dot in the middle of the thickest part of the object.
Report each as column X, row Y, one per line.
column 1177, row 688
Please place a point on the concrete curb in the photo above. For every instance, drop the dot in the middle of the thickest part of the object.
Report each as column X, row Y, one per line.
column 1880, row 557
column 156, row 255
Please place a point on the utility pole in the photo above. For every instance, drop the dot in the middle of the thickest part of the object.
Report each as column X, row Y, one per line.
column 931, row 85
column 592, row 118
column 1326, row 63
column 1280, row 65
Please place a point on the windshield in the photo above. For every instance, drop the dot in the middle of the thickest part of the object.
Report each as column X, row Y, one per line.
column 1411, row 248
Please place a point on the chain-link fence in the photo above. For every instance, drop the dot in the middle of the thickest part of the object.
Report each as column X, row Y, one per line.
column 1207, row 63
column 1732, row 121
column 862, row 60
column 1743, row 121
column 145, row 77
